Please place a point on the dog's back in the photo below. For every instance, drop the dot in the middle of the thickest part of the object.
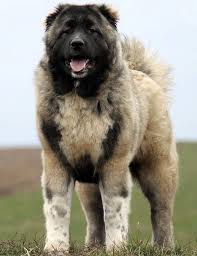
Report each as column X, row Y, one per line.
column 140, row 59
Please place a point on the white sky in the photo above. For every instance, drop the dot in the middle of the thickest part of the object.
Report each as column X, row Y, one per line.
column 167, row 26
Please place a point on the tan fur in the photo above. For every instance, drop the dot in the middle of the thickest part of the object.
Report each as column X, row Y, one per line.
column 140, row 98
column 141, row 59
column 82, row 122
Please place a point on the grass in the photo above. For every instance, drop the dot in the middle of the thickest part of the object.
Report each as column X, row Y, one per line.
column 21, row 215
column 134, row 248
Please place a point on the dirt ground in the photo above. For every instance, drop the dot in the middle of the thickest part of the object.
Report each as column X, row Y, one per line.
column 20, row 170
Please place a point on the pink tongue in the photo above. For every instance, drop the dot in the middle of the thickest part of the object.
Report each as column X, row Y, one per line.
column 78, row 65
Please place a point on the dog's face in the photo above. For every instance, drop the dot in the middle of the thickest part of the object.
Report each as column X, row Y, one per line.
column 79, row 39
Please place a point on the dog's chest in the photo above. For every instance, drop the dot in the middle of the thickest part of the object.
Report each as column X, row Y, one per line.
column 83, row 128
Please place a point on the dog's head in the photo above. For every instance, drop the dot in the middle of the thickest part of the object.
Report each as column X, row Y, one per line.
column 80, row 39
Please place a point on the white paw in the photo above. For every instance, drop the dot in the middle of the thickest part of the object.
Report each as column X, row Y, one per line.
column 58, row 248
column 115, row 243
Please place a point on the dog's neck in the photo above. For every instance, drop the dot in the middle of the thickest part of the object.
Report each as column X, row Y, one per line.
column 76, row 83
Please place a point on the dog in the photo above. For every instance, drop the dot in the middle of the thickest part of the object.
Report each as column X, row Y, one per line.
column 103, row 122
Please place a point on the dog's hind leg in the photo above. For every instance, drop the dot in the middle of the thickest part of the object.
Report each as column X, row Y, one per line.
column 157, row 178
column 91, row 202
column 57, row 192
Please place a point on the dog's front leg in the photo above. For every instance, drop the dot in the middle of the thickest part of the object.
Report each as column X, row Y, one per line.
column 115, row 190
column 57, row 192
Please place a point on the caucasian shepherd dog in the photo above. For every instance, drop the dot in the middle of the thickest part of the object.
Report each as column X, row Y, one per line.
column 103, row 121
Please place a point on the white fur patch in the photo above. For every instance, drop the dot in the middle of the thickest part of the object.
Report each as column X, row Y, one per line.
column 57, row 214
column 116, row 211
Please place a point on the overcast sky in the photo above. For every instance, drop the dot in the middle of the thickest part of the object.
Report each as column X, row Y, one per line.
column 170, row 27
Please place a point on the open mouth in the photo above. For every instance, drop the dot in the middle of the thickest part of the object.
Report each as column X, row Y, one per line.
column 79, row 65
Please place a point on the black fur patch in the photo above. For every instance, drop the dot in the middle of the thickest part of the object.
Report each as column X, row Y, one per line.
column 62, row 83
column 99, row 108
column 124, row 192
column 51, row 17
column 48, row 193
column 98, row 47
column 84, row 170
column 88, row 88
column 135, row 167
column 110, row 141
column 52, row 134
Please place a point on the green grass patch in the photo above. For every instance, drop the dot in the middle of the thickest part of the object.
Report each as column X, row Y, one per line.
column 135, row 248
column 21, row 214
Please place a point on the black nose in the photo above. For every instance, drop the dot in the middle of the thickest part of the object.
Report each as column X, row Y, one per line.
column 77, row 43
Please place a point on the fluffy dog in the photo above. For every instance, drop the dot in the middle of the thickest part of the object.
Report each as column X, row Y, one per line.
column 102, row 115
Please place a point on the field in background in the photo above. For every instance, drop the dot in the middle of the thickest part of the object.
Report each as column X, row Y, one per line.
column 20, row 170
column 21, row 202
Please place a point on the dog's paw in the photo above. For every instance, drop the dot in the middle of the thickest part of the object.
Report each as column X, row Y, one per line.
column 59, row 248
column 115, row 247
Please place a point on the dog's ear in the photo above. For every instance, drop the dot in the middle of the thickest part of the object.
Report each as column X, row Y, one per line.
column 52, row 16
column 110, row 14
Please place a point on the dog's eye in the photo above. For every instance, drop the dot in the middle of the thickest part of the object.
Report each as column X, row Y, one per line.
column 93, row 30
column 69, row 25
column 66, row 30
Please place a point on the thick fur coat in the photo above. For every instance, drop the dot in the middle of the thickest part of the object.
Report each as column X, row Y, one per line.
column 100, row 139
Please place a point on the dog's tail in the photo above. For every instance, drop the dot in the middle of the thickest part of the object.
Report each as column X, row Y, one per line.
column 141, row 59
